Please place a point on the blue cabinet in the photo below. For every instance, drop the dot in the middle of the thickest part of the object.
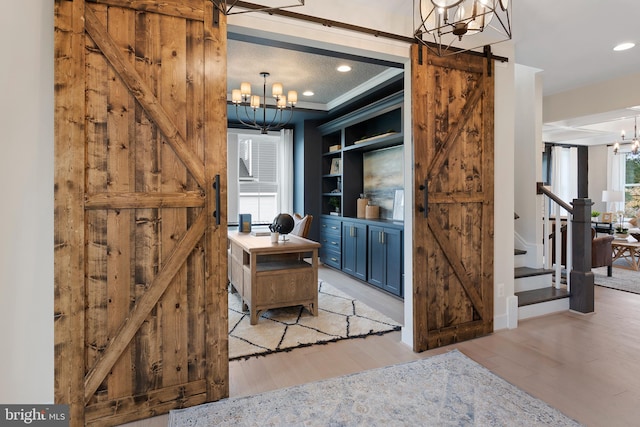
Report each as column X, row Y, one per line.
column 369, row 250
column 354, row 249
column 331, row 241
column 385, row 258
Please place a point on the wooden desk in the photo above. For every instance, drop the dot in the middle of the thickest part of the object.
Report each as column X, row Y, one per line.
column 272, row 275
column 629, row 251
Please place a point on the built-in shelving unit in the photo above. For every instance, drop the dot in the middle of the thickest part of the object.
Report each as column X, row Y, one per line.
column 368, row 249
column 345, row 139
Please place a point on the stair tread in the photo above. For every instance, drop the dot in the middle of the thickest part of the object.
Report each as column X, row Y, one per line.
column 519, row 251
column 529, row 271
column 536, row 296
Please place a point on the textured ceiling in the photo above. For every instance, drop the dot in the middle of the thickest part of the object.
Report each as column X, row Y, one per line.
column 300, row 71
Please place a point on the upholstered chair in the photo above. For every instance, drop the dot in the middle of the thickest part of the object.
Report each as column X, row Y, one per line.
column 302, row 225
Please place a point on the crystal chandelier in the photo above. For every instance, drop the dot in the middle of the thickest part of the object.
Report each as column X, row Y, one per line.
column 445, row 25
column 252, row 103
column 635, row 143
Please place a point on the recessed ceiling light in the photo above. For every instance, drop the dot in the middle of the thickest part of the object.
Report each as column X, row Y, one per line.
column 344, row 68
column 623, row 46
column 308, row 93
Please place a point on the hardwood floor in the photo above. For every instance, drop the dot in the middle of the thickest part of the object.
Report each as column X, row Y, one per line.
column 587, row 366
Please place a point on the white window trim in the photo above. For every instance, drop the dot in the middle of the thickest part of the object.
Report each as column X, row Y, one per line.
column 285, row 189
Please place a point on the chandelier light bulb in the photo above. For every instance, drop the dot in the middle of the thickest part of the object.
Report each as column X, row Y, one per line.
column 255, row 101
column 276, row 90
column 446, row 3
column 292, row 97
column 245, row 89
column 236, row 96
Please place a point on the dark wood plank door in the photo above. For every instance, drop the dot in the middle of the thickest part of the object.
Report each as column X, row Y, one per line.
column 140, row 255
column 452, row 109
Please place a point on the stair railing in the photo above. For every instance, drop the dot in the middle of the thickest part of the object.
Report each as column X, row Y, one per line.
column 578, row 247
column 553, row 207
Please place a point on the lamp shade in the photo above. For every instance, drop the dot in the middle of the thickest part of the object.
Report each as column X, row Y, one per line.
column 612, row 196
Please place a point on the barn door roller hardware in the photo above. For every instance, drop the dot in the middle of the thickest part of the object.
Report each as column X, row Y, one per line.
column 226, row 6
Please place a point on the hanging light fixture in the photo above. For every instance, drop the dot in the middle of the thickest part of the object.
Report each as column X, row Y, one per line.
column 451, row 26
column 252, row 103
column 635, row 142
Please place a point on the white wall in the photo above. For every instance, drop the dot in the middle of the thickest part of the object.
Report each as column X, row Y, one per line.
column 528, row 156
column 26, row 225
column 598, row 98
column 504, row 111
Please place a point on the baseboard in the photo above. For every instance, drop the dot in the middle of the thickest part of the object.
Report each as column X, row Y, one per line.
column 510, row 319
column 500, row 322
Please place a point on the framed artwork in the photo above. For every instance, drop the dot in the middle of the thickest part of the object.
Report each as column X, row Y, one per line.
column 335, row 167
column 607, row 216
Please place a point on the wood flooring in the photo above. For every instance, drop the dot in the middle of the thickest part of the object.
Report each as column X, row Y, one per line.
column 587, row 366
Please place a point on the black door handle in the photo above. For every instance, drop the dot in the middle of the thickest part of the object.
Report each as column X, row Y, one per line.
column 216, row 187
column 425, row 198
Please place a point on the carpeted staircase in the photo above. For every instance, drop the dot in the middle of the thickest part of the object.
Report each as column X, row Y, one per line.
column 535, row 291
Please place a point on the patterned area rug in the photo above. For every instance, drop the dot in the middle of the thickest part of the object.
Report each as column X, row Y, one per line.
column 449, row 389
column 339, row 317
column 623, row 279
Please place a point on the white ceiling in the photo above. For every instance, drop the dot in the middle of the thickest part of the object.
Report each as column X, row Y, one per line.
column 571, row 41
column 301, row 71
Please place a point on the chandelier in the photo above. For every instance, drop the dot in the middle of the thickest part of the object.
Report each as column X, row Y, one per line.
column 635, row 143
column 252, row 103
column 446, row 25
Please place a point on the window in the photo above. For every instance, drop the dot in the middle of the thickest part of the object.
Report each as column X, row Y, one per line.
column 632, row 184
column 564, row 173
column 259, row 175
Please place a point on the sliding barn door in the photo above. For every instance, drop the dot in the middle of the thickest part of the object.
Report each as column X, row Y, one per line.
column 452, row 101
column 140, row 220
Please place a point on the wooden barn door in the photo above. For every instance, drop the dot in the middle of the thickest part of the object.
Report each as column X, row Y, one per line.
column 452, row 109
column 140, row 220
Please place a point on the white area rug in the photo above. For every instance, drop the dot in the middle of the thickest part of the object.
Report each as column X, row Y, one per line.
column 623, row 279
column 339, row 317
column 445, row 390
